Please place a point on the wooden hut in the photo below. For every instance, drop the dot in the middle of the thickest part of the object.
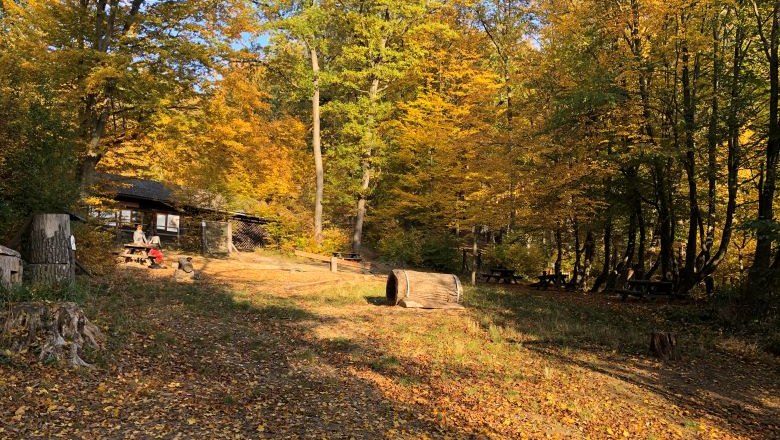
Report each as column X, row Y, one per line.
column 424, row 290
column 10, row 267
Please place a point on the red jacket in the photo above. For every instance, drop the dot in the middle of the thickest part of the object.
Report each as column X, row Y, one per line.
column 157, row 255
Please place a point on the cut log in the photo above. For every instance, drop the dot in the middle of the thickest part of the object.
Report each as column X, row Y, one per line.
column 49, row 250
column 10, row 267
column 50, row 239
column 663, row 345
column 185, row 271
column 58, row 330
column 425, row 290
column 50, row 273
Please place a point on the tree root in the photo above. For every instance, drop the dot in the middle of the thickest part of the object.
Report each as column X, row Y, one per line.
column 59, row 330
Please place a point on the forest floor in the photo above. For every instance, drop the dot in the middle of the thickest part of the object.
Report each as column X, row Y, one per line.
column 271, row 347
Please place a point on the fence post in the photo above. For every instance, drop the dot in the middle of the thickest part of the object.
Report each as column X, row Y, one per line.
column 334, row 264
column 229, row 237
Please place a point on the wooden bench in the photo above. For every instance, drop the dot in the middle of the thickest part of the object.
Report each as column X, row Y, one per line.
column 546, row 281
column 335, row 261
column 348, row 256
column 646, row 288
column 500, row 275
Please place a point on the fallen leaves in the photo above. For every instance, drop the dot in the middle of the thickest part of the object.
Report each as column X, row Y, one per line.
column 188, row 363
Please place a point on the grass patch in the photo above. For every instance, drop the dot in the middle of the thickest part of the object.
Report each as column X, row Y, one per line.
column 353, row 294
column 545, row 320
column 386, row 364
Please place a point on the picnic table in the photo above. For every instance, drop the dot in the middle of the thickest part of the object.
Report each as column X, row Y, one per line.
column 138, row 252
column 646, row 288
column 545, row 280
column 349, row 256
column 501, row 275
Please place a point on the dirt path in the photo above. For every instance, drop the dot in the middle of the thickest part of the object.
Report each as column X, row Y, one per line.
column 268, row 347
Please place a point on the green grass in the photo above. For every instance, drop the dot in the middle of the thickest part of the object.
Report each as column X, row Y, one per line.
column 352, row 294
column 542, row 319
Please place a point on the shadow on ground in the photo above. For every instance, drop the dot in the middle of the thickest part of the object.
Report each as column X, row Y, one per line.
column 614, row 339
column 190, row 359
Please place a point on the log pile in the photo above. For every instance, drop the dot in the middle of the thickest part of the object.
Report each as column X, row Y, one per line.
column 57, row 331
column 425, row 290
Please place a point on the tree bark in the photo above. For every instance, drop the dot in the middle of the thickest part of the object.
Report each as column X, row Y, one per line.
column 622, row 268
column 559, row 251
column 575, row 273
column 316, row 145
column 689, row 162
column 607, row 257
column 373, row 97
column 49, row 250
column 589, row 251
column 764, row 240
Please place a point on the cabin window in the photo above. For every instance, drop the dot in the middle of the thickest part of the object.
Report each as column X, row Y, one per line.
column 108, row 218
column 168, row 222
column 129, row 217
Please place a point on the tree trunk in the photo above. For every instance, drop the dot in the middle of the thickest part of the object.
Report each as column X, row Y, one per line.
column 689, row 162
column 559, row 251
column 761, row 260
column 575, row 273
column 49, row 250
column 316, row 146
column 663, row 345
column 357, row 236
column 369, row 146
column 607, row 257
column 713, row 136
column 589, row 251
column 621, row 271
column 641, row 251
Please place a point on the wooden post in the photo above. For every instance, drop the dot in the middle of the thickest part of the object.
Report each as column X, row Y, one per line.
column 334, row 267
column 204, row 243
column 50, row 249
column 229, row 233
column 474, row 258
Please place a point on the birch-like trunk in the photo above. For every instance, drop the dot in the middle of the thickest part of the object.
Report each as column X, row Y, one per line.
column 316, row 145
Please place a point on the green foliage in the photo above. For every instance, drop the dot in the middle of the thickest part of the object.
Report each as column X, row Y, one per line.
column 528, row 261
column 37, row 153
column 415, row 248
column 401, row 247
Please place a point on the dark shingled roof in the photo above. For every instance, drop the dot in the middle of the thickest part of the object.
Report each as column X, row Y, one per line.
column 129, row 187
column 138, row 188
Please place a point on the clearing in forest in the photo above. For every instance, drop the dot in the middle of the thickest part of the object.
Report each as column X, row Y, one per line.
column 270, row 347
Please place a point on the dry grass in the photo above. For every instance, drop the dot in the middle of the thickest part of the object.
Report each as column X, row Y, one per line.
column 288, row 346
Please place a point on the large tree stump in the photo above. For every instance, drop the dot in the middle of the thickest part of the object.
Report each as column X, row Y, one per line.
column 663, row 345
column 49, row 250
column 57, row 331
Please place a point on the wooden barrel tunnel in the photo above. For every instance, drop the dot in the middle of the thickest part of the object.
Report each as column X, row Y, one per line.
column 424, row 290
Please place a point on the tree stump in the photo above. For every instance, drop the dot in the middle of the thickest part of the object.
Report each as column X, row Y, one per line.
column 58, row 330
column 663, row 345
column 185, row 271
column 49, row 250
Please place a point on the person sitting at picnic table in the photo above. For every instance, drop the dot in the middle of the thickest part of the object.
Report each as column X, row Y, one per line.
column 138, row 236
column 156, row 255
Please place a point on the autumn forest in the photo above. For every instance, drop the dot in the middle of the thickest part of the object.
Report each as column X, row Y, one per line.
column 580, row 175
column 603, row 137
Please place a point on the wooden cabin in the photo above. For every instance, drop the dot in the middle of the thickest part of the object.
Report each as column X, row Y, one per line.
column 180, row 219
